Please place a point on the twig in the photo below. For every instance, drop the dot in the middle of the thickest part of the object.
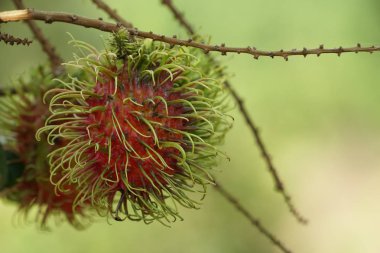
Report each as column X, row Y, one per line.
column 112, row 13
column 55, row 60
column 50, row 17
column 179, row 16
column 254, row 221
column 9, row 39
column 254, row 129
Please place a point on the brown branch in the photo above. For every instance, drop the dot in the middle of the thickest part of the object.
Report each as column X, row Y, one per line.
column 254, row 129
column 50, row 17
column 48, row 48
column 11, row 40
column 112, row 13
column 179, row 16
column 266, row 156
column 254, row 221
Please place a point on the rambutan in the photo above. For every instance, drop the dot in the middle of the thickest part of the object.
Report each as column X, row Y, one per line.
column 141, row 128
column 26, row 175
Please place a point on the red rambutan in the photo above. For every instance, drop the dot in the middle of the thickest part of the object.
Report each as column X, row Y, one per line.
column 22, row 114
column 140, row 128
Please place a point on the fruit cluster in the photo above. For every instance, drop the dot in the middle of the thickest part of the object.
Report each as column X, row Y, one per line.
column 130, row 132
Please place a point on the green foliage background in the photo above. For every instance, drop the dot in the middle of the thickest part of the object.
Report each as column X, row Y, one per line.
column 319, row 118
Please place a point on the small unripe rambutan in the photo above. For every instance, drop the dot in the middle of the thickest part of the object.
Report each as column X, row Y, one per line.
column 21, row 115
column 141, row 128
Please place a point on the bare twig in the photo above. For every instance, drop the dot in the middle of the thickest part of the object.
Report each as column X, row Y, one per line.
column 252, row 126
column 179, row 16
column 11, row 40
column 266, row 156
column 55, row 60
column 50, row 17
column 255, row 222
column 112, row 13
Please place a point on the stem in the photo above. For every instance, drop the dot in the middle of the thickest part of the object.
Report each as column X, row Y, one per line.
column 112, row 13
column 48, row 48
column 179, row 16
column 255, row 222
column 50, row 17
column 254, row 129
column 9, row 39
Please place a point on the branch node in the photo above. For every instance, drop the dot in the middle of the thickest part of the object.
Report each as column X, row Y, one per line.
column 304, row 52
column 75, row 18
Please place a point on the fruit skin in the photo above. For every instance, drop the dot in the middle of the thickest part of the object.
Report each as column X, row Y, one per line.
column 22, row 114
column 141, row 128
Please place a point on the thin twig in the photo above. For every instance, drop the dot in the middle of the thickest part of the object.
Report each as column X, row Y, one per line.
column 179, row 16
column 254, row 129
column 50, row 17
column 12, row 40
column 112, row 13
column 255, row 222
column 48, row 48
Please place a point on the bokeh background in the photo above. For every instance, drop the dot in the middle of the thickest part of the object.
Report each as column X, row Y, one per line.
column 320, row 118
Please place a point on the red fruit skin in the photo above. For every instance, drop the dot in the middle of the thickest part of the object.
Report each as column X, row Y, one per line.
column 104, row 130
column 34, row 188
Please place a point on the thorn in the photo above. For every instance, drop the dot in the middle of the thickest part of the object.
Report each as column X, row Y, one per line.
column 256, row 56
column 48, row 20
column 304, row 52
column 340, row 51
column 222, row 46
column 321, row 47
column 74, row 18
column 271, row 54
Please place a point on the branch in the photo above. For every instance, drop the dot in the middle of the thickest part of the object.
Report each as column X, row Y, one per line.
column 50, row 17
column 55, row 60
column 255, row 222
column 179, row 16
column 112, row 13
column 9, row 39
column 254, row 129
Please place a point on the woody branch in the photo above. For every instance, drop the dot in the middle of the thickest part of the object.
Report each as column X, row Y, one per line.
column 50, row 17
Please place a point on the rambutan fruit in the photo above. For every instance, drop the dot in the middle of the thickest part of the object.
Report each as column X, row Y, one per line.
column 141, row 128
column 26, row 172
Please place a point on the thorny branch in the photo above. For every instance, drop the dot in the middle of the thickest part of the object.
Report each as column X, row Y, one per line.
column 254, row 129
column 9, row 39
column 252, row 219
column 55, row 60
column 179, row 16
column 50, row 17
column 112, row 13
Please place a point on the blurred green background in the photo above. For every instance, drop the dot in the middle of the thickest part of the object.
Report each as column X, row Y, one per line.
column 320, row 118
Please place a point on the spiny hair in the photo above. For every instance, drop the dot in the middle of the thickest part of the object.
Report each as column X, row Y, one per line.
column 141, row 128
column 22, row 114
